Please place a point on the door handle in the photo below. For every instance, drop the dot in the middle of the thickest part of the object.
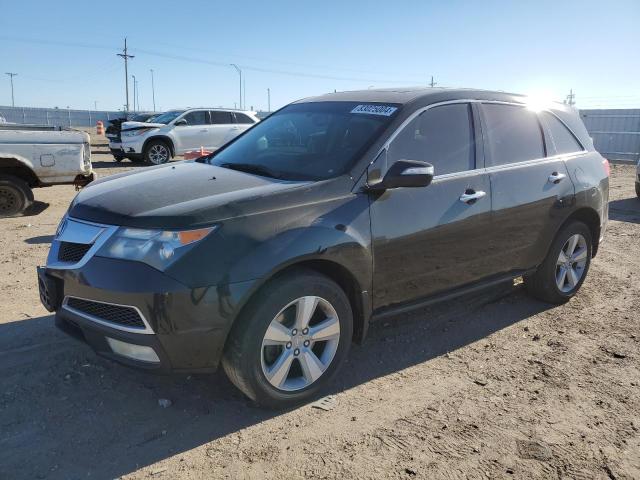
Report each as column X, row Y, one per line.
column 470, row 196
column 556, row 177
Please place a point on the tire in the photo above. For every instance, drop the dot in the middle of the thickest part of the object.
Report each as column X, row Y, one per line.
column 247, row 361
column 118, row 158
column 15, row 195
column 548, row 282
column 157, row 152
column 638, row 189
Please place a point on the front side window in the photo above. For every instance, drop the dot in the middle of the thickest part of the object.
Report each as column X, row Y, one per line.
column 199, row 117
column 441, row 136
column 563, row 139
column 220, row 118
column 307, row 141
column 513, row 133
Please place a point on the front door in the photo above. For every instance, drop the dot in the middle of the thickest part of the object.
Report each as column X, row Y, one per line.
column 430, row 239
column 195, row 133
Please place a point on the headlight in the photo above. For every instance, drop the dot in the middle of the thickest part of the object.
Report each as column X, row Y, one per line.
column 158, row 248
column 135, row 133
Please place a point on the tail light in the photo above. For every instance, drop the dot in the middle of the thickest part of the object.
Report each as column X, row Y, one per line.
column 607, row 167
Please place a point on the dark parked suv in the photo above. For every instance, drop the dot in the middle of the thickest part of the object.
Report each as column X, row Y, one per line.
column 275, row 253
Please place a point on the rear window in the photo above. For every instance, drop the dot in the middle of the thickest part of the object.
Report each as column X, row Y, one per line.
column 218, row 117
column 563, row 139
column 513, row 134
column 242, row 118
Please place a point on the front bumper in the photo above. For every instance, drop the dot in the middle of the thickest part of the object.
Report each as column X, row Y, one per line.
column 132, row 145
column 187, row 327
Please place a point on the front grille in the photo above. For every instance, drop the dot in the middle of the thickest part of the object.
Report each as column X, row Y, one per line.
column 72, row 252
column 118, row 314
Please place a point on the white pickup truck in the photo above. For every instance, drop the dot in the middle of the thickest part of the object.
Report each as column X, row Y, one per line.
column 40, row 156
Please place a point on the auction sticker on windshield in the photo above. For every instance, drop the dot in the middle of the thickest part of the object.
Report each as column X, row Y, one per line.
column 385, row 110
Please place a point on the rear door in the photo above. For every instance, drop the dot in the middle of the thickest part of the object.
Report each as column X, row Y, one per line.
column 223, row 128
column 430, row 239
column 530, row 186
column 195, row 133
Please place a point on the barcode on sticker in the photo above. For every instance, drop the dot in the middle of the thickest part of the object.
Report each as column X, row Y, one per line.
column 385, row 110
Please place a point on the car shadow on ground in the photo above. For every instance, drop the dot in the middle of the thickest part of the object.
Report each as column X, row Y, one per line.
column 97, row 165
column 36, row 208
column 625, row 210
column 40, row 240
column 85, row 415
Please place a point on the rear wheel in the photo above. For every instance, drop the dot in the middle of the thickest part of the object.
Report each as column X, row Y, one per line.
column 15, row 195
column 290, row 340
column 638, row 189
column 157, row 152
column 565, row 268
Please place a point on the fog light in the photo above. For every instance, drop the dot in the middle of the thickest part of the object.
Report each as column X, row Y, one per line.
column 130, row 350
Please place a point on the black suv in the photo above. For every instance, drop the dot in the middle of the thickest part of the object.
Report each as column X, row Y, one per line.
column 276, row 252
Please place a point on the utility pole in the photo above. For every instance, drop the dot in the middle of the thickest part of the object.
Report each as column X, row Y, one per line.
column 126, row 57
column 239, row 73
column 571, row 98
column 244, row 93
column 268, row 100
column 153, row 91
column 432, row 83
column 95, row 104
column 11, row 75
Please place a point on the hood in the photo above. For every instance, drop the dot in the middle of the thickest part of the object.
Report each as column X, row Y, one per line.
column 137, row 125
column 180, row 195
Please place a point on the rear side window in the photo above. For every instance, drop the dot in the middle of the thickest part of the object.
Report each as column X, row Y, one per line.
column 513, row 134
column 218, row 117
column 563, row 139
column 196, row 118
column 442, row 136
column 242, row 118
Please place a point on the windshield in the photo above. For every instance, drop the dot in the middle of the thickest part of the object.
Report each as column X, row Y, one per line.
column 307, row 141
column 167, row 117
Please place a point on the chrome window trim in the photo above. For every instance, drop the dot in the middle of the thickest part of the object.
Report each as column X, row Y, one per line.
column 523, row 104
column 100, row 240
column 147, row 330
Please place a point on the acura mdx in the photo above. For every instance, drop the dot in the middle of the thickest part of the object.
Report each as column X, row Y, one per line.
column 276, row 252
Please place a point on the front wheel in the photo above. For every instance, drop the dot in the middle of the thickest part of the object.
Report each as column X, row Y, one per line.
column 290, row 340
column 157, row 152
column 15, row 195
column 565, row 268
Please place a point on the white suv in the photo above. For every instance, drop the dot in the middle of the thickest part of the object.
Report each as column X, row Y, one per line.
column 178, row 131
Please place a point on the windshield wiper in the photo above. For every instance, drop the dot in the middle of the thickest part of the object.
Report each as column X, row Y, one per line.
column 251, row 168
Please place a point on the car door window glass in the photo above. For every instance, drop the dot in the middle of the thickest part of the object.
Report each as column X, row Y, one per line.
column 221, row 118
column 242, row 118
column 196, row 118
column 513, row 132
column 563, row 139
column 441, row 136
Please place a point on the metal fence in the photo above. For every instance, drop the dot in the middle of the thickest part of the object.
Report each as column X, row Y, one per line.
column 615, row 132
column 57, row 116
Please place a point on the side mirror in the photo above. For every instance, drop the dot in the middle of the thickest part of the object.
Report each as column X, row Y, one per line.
column 180, row 122
column 406, row 173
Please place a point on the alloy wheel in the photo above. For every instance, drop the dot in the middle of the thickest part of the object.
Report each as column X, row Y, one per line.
column 158, row 154
column 571, row 263
column 300, row 343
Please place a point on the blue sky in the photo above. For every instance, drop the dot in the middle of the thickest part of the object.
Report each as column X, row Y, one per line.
column 65, row 52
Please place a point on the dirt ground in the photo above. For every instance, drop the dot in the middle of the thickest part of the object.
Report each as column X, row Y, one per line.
column 493, row 386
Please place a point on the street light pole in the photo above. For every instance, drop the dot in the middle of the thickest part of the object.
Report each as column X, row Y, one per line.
column 239, row 73
column 11, row 75
column 134, row 93
column 153, row 91
column 268, row 100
